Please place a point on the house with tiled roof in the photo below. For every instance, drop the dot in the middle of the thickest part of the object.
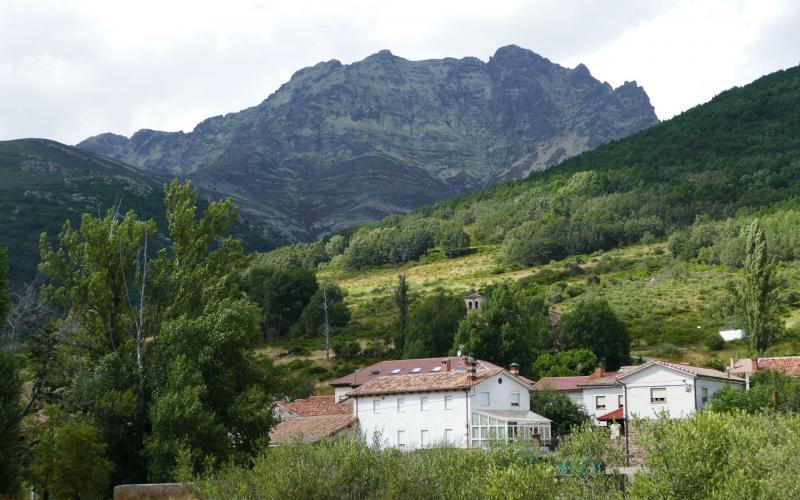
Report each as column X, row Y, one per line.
column 645, row 391
column 312, row 428
column 311, row 407
column 400, row 367
column 787, row 365
column 461, row 407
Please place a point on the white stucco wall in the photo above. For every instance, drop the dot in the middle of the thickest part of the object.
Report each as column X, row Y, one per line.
column 500, row 394
column 576, row 397
column 412, row 420
column 712, row 385
column 680, row 402
column 339, row 393
column 590, row 397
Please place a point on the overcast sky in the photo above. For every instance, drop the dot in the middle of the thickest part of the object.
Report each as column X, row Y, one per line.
column 72, row 69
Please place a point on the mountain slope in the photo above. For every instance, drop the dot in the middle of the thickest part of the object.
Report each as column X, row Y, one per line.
column 343, row 144
column 43, row 182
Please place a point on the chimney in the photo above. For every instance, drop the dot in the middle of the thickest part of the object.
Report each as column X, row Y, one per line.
column 598, row 372
column 471, row 369
column 732, row 363
column 514, row 368
column 446, row 365
column 754, row 362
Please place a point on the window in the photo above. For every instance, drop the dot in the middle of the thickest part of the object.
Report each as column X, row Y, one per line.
column 423, row 403
column 704, row 393
column 436, row 369
column 515, row 399
column 621, row 401
column 600, row 402
column 423, row 438
column 448, row 435
column 448, row 402
column 376, row 406
column 401, row 439
column 658, row 395
column 395, row 371
column 400, row 402
column 484, row 399
column 415, row 370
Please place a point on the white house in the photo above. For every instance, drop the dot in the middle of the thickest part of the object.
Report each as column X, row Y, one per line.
column 647, row 391
column 461, row 408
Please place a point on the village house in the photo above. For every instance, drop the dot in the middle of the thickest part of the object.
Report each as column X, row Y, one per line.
column 650, row 390
column 462, row 408
column 787, row 365
column 311, row 419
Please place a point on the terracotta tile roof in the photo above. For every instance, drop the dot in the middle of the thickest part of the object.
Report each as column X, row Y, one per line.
column 316, row 405
column 310, row 429
column 618, row 414
column 560, row 383
column 609, row 378
column 429, row 382
column 788, row 365
column 404, row 367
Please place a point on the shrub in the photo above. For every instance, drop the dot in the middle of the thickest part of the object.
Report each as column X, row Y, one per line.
column 714, row 341
column 346, row 350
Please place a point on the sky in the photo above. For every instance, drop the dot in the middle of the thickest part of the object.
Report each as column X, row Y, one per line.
column 73, row 69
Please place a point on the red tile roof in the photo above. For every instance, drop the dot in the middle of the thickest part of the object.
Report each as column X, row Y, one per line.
column 316, row 405
column 310, row 429
column 429, row 382
column 788, row 365
column 560, row 383
column 425, row 365
column 618, row 414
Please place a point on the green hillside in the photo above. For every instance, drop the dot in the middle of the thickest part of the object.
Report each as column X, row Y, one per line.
column 653, row 223
column 43, row 182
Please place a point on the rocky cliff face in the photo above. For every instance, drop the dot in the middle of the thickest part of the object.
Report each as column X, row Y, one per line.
column 342, row 144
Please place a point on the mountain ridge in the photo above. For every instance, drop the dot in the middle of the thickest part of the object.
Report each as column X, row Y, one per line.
column 442, row 126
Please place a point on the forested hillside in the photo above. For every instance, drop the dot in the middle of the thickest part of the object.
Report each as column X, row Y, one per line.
column 43, row 183
column 736, row 154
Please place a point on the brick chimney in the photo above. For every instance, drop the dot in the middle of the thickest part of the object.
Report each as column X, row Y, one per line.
column 471, row 368
column 446, row 365
column 598, row 372
column 514, row 368
column 732, row 363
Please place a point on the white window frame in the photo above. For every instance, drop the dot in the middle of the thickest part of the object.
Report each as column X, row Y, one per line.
column 515, row 399
column 376, row 406
column 487, row 397
column 620, row 401
column 448, row 435
column 658, row 400
column 401, row 438
column 704, row 395
column 423, row 403
column 424, row 440
column 448, row 402
column 597, row 402
column 400, row 402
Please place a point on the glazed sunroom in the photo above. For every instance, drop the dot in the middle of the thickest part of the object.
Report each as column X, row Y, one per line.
column 508, row 426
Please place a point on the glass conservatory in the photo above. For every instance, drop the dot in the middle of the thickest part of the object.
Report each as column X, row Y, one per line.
column 508, row 426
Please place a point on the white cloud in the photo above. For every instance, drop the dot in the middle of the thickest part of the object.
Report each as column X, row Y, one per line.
column 70, row 70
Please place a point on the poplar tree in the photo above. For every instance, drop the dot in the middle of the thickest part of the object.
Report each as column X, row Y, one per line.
column 755, row 293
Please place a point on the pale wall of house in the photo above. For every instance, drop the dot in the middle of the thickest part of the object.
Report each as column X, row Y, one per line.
column 340, row 393
column 589, row 401
column 680, row 401
column 576, row 397
column 410, row 418
column 500, row 394
column 713, row 385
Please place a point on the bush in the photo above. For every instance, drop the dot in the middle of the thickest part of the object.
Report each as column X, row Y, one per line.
column 346, row 350
column 714, row 341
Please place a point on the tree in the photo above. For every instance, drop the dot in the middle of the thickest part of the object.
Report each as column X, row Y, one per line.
column 557, row 406
column 68, row 459
column 453, row 240
column 594, row 325
column 401, row 301
column 3, row 286
column 283, row 295
column 432, row 324
column 754, row 294
column 566, row 363
column 509, row 328
column 324, row 313
column 27, row 315
column 10, row 416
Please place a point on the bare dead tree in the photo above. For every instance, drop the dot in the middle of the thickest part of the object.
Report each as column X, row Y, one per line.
column 25, row 315
column 326, row 325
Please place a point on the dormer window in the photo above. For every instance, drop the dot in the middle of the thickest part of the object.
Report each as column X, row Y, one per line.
column 395, row 371
column 416, row 370
column 436, row 369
